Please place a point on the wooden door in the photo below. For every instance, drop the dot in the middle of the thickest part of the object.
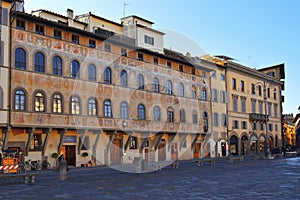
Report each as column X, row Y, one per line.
column 161, row 152
column 197, row 150
column 70, row 154
column 174, row 151
column 115, row 152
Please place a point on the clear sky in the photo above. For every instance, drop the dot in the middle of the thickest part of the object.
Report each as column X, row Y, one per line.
column 256, row 33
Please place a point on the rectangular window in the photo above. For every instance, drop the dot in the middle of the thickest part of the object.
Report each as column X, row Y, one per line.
column 20, row 24
column 268, row 92
column 276, row 127
column 193, row 71
column 243, row 104
column 235, row 124
column 269, row 109
column 155, row 61
column 260, row 105
column 195, row 119
column 180, row 68
column 124, row 52
column 253, row 104
column 215, row 119
column 133, row 142
column 223, row 96
column 254, row 126
column 169, row 64
column 235, row 103
column 275, row 110
column 271, row 74
column 75, row 39
column 107, row 48
column 262, row 126
column 252, row 88
column 242, row 86
column 224, row 120
column 140, row 56
column 234, row 84
column 39, row 29
column 149, row 40
column 92, row 43
column 36, row 143
column 270, row 127
column 57, row 34
column 215, row 96
column 244, row 125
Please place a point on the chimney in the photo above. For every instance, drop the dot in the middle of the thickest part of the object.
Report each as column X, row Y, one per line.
column 70, row 13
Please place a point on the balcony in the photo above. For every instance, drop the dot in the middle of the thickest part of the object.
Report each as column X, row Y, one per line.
column 112, row 36
column 254, row 117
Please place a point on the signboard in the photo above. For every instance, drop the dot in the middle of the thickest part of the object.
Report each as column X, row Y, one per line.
column 70, row 139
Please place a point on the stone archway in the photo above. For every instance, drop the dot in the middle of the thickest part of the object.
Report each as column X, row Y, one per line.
column 244, row 145
column 234, row 145
column 253, row 144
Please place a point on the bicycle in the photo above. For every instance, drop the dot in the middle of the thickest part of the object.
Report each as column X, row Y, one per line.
column 33, row 165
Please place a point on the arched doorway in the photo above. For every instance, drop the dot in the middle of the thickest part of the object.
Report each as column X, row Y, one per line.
column 253, row 144
column 233, row 148
column 244, row 145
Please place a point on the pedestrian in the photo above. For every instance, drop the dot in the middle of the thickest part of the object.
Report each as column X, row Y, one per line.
column 61, row 157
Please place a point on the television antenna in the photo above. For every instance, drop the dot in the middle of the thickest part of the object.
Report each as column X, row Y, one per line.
column 124, row 8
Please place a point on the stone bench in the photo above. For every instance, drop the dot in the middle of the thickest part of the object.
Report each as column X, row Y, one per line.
column 200, row 162
column 27, row 178
column 231, row 159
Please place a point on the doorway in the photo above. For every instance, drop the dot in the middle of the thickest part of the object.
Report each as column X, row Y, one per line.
column 223, row 146
column 174, row 151
column 69, row 152
column 161, row 152
column 115, row 152
column 197, row 149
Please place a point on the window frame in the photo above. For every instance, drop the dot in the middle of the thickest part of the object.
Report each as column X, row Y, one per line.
column 20, row 58
column 75, row 105
column 57, row 65
column 39, row 62
column 21, row 98
column 75, row 69
column 124, row 110
column 156, row 113
column 141, row 112
column 107, row 76
column 107, row 108
column 92, row 73
column 39, row 101
column 92, row 106
column 57, row 103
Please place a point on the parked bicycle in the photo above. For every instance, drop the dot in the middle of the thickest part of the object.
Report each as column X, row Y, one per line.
column 33, row 165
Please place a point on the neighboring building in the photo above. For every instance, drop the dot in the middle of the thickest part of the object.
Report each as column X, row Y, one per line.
column 78, row 84
column 297, row 131
column 254, row 108
column 289, row 130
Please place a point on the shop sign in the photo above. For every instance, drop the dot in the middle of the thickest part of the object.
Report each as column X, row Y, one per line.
column 70, row 139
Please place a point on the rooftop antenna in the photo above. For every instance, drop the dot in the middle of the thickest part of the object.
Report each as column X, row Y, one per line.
column 124, row 8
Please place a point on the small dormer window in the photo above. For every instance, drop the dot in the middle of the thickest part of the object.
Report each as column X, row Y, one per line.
column 20, row 24
column 75, row 39
column 271, row 74
column 39, row 29
column 92, row 43
column 149, row 40
column 57, row 34
column 140, row 56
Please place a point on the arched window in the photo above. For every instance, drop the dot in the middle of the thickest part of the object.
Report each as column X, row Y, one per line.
column 20, row 99
column 169, row 89
column 204, row 94
column 182, row 115
column 275, row 93
column 20, row 58
column 1, row 98
column 259, row 90
column 57, row 105
column 107, row 108
column 92, row 106
column 75, row 69
column 180, row 90
column 107, row 75
column 141, row 112
column 195, row 117
column 194, row 92
column 141, row 82
column 205, row 121
column 75, row 105
column 39, row 102
column 92, row 72
column 170, row 113
column 57, row 66
column 155, row 85
column 39, row 62
column 156, row 113
column 124, row 110
column 123, row 78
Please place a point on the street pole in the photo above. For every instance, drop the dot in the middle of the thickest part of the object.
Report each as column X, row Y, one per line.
column 266, row 123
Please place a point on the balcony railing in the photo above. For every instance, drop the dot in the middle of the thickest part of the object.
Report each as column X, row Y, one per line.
column 253, row 117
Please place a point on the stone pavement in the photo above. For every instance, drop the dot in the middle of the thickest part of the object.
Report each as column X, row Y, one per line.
column 252, row 179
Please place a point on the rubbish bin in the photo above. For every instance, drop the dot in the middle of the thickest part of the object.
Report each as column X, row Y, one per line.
column 144, row 165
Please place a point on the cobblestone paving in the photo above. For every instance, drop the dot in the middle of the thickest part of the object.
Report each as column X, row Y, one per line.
column 252, row 179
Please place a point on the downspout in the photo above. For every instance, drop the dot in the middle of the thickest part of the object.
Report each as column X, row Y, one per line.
column 227, row 109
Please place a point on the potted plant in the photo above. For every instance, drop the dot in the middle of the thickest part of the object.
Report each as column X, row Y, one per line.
column 85, row 154
column 55, row 156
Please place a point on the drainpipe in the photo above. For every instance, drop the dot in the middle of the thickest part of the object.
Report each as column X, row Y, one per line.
column 227, row 109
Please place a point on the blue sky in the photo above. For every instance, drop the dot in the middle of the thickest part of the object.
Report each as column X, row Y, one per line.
column 256, row 33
